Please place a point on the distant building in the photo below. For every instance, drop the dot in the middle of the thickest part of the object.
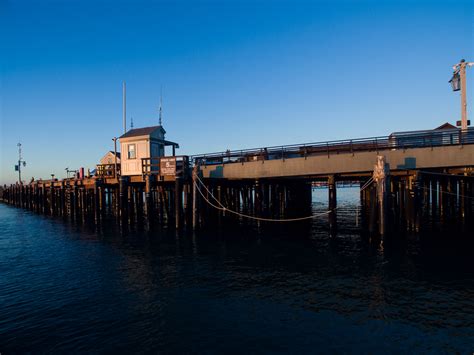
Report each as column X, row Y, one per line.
column 109, row 158
column 106, row 166
column 142, row 143
column 443, row 135
column 446, row 125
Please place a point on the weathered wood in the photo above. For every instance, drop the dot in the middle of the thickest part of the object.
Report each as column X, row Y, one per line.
column 332, row 204
column 194, row 198
column 178, row 202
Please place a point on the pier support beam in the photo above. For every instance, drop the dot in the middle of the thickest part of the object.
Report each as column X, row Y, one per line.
column 178, row 202
column 332, row 204
column 195, row 171
column 381, row 178
column 148, row 198
column 418, row 202
column 123, row 198
column 96, row 202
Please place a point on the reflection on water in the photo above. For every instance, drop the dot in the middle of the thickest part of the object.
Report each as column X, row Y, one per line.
column 273, row 288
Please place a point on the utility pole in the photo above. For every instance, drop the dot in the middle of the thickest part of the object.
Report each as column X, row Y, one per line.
column 458, row 82
column 20, row 161
column 115, row 157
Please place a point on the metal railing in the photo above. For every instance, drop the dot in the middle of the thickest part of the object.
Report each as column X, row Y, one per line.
column 106, row 170
column 402, row 140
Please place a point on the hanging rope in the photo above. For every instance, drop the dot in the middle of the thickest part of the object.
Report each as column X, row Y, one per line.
column 443, row 192
column 209, row 192
column 446, row 174
column 225, row 209
column 367, row 184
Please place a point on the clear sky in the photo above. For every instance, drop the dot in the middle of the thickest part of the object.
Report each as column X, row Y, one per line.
column 235, row 74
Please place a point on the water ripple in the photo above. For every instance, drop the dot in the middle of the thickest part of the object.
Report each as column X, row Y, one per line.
column 67, row 287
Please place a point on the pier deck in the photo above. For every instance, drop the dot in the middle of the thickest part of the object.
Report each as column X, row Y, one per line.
column 273, row 184
column 347, row 165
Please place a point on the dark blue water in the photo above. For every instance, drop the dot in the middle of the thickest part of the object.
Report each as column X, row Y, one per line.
column 66, row 287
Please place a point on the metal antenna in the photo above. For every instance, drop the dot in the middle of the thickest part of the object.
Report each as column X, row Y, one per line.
column 161, row 106
column 131, row 122
column 124, row 106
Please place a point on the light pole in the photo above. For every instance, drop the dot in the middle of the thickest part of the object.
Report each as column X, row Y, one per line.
column 115, row 156
column 458, row 82
column 20, row 161
column 70, row 171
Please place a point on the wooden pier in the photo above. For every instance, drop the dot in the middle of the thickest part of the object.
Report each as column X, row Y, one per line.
column 400, row 177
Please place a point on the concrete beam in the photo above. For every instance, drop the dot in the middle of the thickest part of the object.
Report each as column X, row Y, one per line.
column 345, row 163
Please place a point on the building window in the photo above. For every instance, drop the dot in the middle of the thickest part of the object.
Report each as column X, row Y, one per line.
column 131, row 151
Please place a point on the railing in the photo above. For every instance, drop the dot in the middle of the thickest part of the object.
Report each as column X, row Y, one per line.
column 173, row 166
column 150, row 166
column 403, row 140
column 106, row 170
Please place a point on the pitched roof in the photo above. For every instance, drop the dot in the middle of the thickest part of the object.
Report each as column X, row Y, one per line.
column 446, row 126
column 443, row 126
column 144, row 131
column 118, row 153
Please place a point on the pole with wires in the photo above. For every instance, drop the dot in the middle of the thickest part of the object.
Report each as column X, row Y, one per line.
column 458, row 83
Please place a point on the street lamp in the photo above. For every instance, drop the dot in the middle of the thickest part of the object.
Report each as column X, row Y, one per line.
column 20, row 163
column 68, row 171
column 458, row 83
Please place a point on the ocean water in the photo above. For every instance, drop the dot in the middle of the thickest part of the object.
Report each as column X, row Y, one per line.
column 239, row 288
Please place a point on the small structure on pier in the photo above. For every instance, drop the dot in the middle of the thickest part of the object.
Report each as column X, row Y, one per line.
column 108, row 165
column 142, row 143
column 109, row 158
column 444, row 134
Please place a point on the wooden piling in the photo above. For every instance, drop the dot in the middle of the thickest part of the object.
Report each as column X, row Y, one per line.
column 332, row 204
column 382, row 183
column 194, row 179
column 178, row 202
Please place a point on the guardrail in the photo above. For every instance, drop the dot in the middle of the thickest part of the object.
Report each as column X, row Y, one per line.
column 106, row 170
column 403, row 140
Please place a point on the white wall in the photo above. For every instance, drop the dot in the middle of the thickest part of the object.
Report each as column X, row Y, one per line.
column 109, row 159
column 134, row 166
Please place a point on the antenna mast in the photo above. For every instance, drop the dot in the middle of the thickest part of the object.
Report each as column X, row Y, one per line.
column 161, row 106
column 124, row 106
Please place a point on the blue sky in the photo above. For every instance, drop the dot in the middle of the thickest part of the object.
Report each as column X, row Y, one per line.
column 235, row 74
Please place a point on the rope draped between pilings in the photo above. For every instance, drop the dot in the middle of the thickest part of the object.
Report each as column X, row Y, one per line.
column 443, row 192
column 367, row 184
column 221, row 207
